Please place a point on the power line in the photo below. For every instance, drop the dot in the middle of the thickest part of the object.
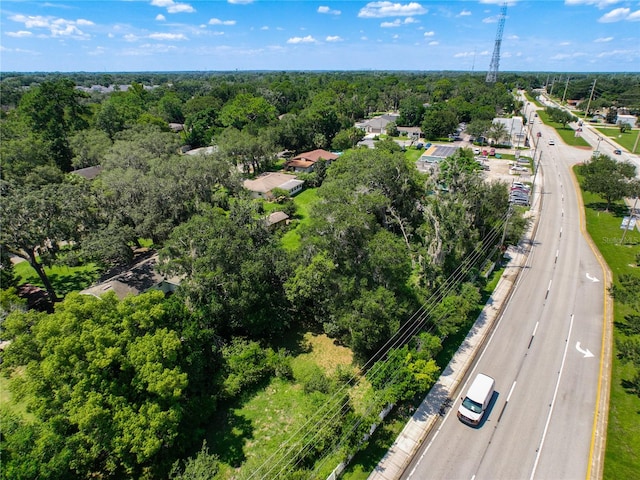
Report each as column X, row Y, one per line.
column 297, row 445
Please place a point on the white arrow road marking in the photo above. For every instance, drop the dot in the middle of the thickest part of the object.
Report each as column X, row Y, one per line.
column 585, row 352
column 593, row 279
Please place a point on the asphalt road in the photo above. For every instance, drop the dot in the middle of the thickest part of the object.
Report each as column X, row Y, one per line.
column 545, row 355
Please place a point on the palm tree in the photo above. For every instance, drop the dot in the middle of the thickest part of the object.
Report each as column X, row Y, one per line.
column 498, row 132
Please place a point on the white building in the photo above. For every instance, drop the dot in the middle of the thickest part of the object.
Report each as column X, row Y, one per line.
column 630, row 120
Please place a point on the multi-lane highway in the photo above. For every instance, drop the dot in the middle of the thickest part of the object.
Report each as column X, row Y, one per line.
column 546, row 354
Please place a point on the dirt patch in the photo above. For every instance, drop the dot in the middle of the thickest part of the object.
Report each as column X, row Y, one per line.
column 500, row 170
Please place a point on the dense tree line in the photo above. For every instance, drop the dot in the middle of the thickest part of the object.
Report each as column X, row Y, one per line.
column 126, row 388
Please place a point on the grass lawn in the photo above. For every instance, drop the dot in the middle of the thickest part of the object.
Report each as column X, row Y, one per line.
column 567, row 134
column 254, row 429
column 64, row 279
column 623, row 434
column 625, row 140
column 291, row 239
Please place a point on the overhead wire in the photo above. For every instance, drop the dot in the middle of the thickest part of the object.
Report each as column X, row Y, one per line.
column 339, row 400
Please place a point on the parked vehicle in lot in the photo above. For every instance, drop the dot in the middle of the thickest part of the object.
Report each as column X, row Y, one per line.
column 476, row 151
column 492, row 152
column 552, row 141
column 475, row 403
column 520, row 184
column 617, row 151
column 419, row 146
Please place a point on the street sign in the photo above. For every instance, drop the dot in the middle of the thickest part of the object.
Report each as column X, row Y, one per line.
column 628, row 223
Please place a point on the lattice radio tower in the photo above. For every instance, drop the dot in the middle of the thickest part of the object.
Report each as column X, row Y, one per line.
column 492, row 74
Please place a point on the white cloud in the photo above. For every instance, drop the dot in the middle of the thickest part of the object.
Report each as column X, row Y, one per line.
column 160, row 17
column 58, row 27
column 615, row 15
column 168, row 36
column 603, row 39
column 173, row 7
column 19, row 34
column 328, row 11
column 464, row 13
column 307, row 39
column 264, row 28
column 429, row 34
column 601, row 4
column 434, row 43
column 240, row 2
column 217, row 21
column 130, row 37
column 397, row 22
column 499, row 2
column 390, row 9
column 620, row 14
column 333, row 38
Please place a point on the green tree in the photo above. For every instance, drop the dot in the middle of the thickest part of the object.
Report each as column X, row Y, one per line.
column 439, row 122
column 107, row 383
column 498, row 132
column 560, row 115
column 89, row 148
column 247, row 109
column 347, row 138
column 608, row 178
column 55, row 111
column 234, row 270
column 40, row 219
column 411, row 111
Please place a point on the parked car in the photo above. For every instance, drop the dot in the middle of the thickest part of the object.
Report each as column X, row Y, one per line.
column 552, row 141
column 492, row 152
column 419, row 146
column 617, row 151
column 476, row 151
column 520, row 185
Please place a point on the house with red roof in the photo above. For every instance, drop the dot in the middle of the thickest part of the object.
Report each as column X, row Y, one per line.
column 304, row 162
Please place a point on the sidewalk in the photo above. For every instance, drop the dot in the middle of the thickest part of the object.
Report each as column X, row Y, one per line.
column 437, row 401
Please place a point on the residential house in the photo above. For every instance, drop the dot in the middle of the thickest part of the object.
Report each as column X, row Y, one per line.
column 304, row 162
column 378, row 124
column 140, row 278
column 262, row 186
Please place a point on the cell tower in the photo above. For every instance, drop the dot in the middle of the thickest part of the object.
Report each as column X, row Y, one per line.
column 492, row 74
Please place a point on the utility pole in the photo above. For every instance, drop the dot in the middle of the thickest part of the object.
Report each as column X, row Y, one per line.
column 553, row 82
column 564, row 95
column 590, row 96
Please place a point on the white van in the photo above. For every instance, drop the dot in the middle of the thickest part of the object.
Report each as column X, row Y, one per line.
column 552, row 141
column 477, row 399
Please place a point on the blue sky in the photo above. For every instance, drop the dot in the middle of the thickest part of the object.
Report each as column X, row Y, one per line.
column 176, row 35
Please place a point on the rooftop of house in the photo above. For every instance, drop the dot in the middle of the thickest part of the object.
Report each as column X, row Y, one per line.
column 315, row 155
column 267, row 182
